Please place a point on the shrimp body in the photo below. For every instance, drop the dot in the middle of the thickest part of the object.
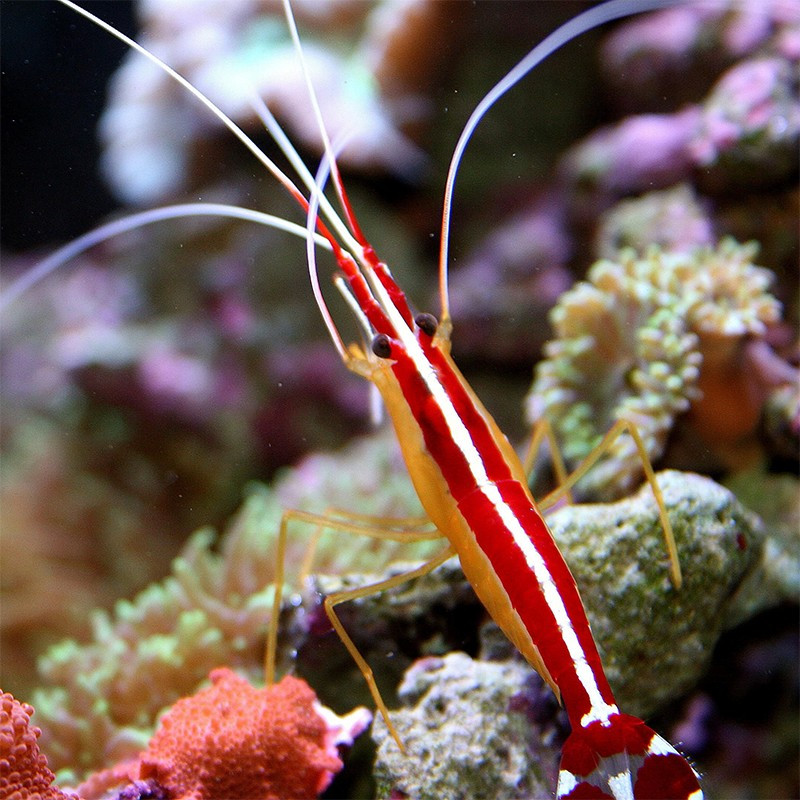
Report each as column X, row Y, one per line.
column 472, row 486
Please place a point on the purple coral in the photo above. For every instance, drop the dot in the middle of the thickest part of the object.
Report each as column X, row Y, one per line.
column 751, row 122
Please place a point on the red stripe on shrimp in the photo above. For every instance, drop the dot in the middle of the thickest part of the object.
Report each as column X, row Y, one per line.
column 435, row 424
column 543, row 592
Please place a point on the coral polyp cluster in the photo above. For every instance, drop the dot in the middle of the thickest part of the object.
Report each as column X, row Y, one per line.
column 227, row 740
column 631, row 343
column 24, row 774
column 725, row 294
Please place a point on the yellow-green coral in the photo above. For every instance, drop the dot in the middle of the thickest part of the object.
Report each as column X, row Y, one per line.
column 630, row 345
column 102, row 698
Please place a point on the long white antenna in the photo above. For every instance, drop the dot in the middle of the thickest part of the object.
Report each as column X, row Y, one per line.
column 118, row 226
column 293, row 157
column 312, row 95
column 584, row 22
column 317, row 192
column 284, row 179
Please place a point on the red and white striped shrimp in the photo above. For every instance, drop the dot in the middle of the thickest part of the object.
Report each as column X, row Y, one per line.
column 468, row 477
column 473, row 487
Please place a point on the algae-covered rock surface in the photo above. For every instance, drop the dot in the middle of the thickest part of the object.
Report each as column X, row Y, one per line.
column 656, row 640
column 451, row 750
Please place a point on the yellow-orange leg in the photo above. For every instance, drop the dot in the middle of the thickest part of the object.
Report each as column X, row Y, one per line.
column 414, row 529
column 409, row 529
column 543, row 430
column 374, row 588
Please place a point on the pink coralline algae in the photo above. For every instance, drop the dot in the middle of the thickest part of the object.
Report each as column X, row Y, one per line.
column 749, row 124
column 751, row 119
column 676, row 52
column 645, row 151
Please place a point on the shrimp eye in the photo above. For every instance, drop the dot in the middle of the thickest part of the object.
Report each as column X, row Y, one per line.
column 382, row 346
column 426, row 323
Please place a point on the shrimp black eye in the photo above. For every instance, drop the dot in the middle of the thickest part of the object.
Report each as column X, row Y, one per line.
column 382, row 346
column 426, row 323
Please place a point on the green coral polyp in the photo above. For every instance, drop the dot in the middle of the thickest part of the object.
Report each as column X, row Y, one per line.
column 630, row 345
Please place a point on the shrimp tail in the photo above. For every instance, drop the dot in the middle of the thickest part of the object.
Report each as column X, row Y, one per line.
column 622, row 758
